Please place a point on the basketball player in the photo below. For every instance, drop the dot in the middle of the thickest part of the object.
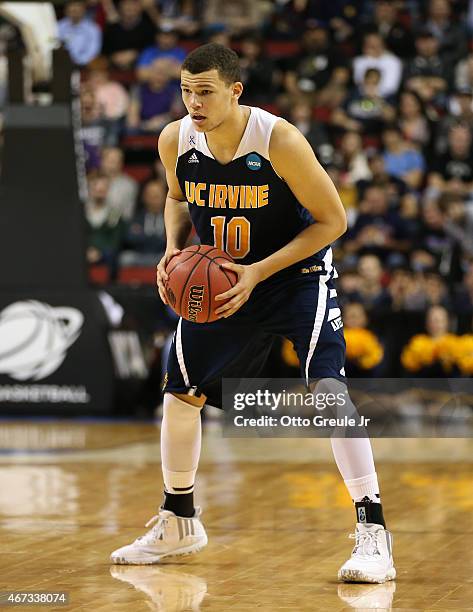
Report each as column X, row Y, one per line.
column 252, row 186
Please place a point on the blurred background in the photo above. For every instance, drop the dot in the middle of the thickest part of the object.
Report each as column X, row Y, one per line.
column 383, row 91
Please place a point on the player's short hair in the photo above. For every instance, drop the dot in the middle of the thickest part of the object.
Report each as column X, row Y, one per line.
column 213, row 56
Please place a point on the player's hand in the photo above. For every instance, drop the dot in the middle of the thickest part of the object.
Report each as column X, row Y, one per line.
column 161, row 276
column 248, row 278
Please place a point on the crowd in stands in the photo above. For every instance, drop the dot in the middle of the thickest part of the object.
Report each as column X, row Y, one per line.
column 382, row 90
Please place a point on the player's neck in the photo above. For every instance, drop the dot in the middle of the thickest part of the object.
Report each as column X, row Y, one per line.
column 227, row 136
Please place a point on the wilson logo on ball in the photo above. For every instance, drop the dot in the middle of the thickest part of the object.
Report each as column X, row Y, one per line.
column 34, row 338
column 196, row 295
column 195, row 278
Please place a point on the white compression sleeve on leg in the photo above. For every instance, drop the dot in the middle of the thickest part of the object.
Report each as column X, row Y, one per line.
column 354, row 458
column 181, row 434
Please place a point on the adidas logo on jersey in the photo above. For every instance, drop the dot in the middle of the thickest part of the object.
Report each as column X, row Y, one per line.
column 193, row 159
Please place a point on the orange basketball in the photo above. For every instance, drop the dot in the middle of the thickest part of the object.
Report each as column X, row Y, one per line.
column 195, row 278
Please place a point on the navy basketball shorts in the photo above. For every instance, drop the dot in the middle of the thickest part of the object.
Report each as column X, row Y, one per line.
column 302, row 308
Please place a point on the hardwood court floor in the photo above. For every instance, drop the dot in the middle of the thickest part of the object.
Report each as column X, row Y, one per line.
column 276, row 512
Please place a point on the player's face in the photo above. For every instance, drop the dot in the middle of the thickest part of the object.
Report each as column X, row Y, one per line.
column 208, row 99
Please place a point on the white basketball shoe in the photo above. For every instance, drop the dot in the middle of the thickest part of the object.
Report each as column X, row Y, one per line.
column 371, row 559
column 170, row 536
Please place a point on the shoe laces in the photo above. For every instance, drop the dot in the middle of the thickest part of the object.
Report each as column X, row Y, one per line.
column 366, row 543
column 159, row 524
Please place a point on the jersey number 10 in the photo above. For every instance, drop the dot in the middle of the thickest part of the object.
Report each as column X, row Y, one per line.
column 237, row 230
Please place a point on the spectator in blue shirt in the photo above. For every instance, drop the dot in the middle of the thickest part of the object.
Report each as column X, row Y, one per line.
column 81, row 37
column 166, row 47
column 401, row 159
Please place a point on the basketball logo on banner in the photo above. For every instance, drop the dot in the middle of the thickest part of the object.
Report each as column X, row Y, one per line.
column 34, row 338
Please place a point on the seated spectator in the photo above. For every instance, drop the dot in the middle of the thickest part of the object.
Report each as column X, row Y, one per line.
column 461, row 105
column 154, row 102
column 122, row 190
column 165, row 47
column 347, row 192
column 364, row 350
column 318, row 63
column 365, row 110
column 433, row 249
column 104, row 226
column 289, row 18
column 146, row 236
column 453, row 171
column 394, row 187
column 352, row 160
column 433, row 353
column 238, row 16
column 92, row 131
column 420, row 260
column 426, row 288
column 286, row 21
column 401, row 159
column 81, row 37
column 412, row 119
column 464, row 73
column 352, row 167
column 460, row 112
column 385, row 20
column 437, row 321
column 376, row 56
column 464, row 293
column 410, row 214
column 113, row 100
column 181, row 15
column 372, row 293
column 452, row 36
column 348, row 286
column 401, row 288
column 258, row 72
column 458, row 226
column 427, row 74
column 314, row 131
column 435, row 290
column 377, row 229
column 127, row 32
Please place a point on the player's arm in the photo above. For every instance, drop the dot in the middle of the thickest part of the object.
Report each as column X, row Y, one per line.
column 293, row 159
column 177, row 219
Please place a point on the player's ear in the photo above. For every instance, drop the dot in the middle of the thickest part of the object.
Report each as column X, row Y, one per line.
column 237, row 89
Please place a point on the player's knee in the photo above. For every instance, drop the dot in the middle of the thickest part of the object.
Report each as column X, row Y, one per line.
column 178, row 415
column 333, row 396
column 189, row 400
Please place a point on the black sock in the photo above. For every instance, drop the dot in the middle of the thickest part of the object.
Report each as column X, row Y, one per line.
column 181, row 505
column 368, row 511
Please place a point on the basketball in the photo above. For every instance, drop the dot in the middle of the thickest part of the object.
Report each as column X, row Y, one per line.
column 195, row 278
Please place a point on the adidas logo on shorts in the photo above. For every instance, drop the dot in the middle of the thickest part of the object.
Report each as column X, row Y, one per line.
column 335, row 319
column 193, row 159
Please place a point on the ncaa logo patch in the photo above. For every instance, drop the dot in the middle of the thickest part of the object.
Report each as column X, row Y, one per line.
column 253, row 161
